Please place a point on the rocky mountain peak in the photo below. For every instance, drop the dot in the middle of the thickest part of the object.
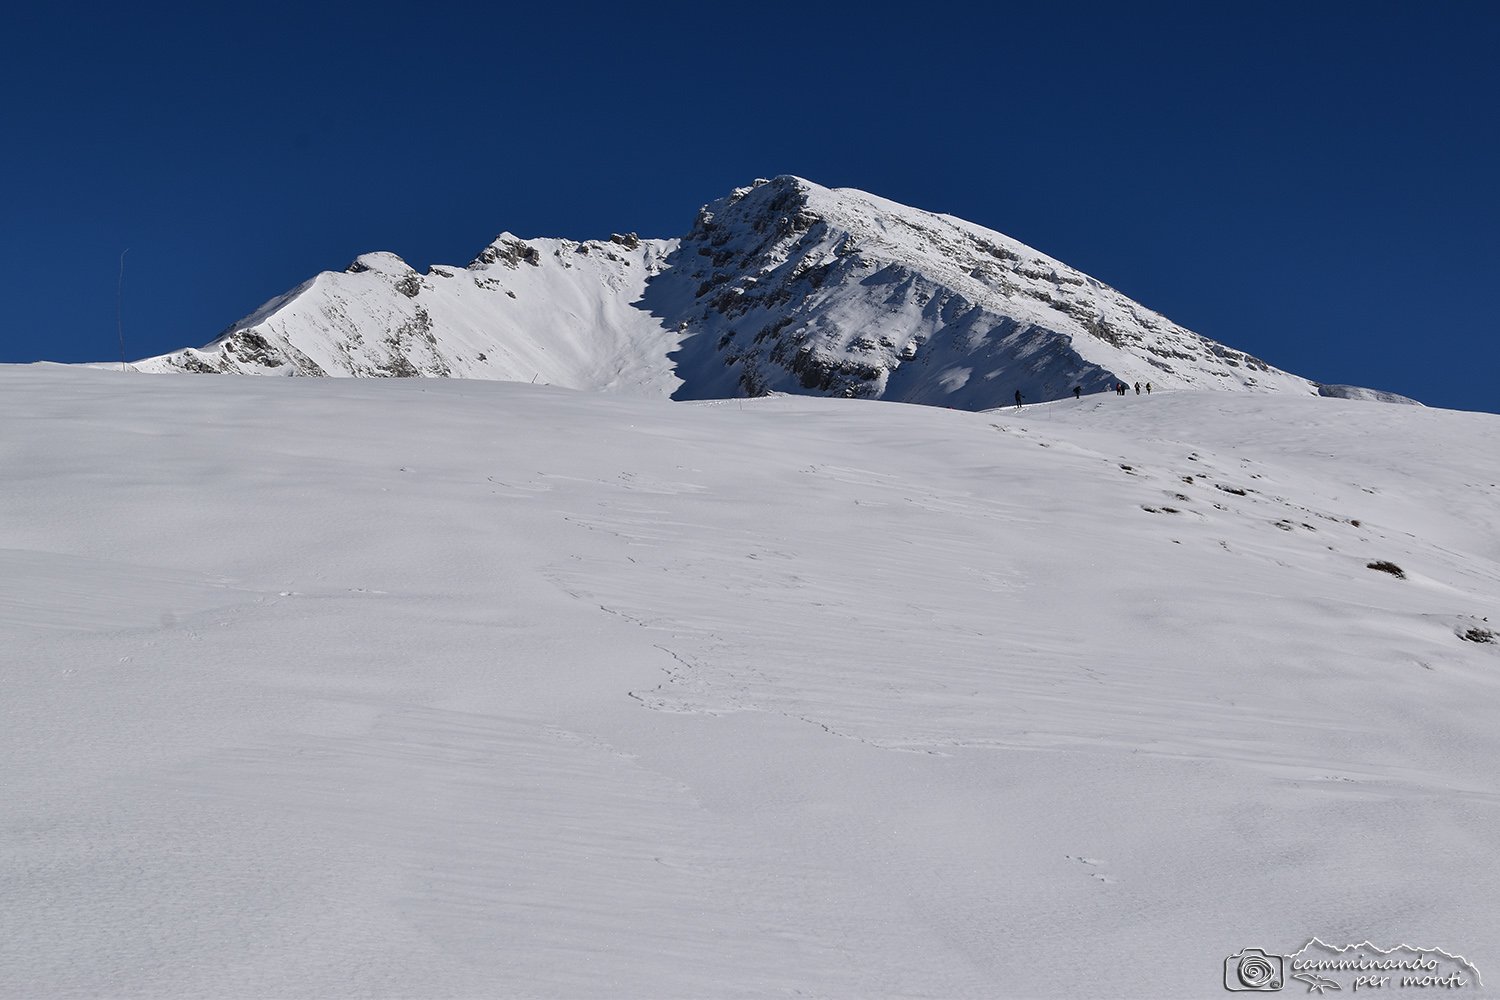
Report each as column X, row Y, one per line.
column 781, row 285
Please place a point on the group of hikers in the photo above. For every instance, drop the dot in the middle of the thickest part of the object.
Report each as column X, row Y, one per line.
column 1120, row 389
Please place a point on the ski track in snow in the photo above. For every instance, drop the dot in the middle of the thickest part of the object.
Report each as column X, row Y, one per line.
column 323, row 688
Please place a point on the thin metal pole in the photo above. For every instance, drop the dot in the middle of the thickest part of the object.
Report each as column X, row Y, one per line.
column 120, row 308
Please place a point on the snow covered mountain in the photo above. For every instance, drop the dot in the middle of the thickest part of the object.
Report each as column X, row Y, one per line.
column 781, row 286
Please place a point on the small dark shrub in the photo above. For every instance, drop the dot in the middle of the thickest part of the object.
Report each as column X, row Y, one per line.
column 1478, row 635
column 1388, row 567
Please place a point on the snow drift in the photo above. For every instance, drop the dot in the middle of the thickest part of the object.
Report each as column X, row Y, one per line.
column 1370, row 395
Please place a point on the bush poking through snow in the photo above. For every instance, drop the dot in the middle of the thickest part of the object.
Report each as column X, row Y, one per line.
column 1388, row 567
column 1477, row 634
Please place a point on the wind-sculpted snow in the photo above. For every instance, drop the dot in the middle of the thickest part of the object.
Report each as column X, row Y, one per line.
column 335, row 688
column 782, row 286
column 1359, row 392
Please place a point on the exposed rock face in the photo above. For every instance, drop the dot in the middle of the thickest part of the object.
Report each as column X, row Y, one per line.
column 781, row 286
column 796, row 288
column 509, row 251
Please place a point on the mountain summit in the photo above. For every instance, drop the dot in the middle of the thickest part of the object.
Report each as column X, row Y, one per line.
column 780, row 286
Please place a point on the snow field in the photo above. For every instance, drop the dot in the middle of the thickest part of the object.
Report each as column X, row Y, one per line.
column 446, row 688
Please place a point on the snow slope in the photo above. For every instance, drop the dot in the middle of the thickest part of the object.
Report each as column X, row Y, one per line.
column 327, row 688
column 781, row 286
column 1371, row 395
column 552, row 311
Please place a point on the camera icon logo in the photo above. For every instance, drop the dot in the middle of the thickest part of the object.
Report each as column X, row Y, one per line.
column 1253, row 971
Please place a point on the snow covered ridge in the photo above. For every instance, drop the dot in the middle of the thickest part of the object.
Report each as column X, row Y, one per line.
column 552, row 311
column 780, row 286
column 1359, row 392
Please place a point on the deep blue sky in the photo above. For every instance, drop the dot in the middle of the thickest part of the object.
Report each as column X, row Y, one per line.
column 1315, row 183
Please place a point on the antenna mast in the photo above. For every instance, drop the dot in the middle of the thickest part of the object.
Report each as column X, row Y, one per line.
column 120, row 308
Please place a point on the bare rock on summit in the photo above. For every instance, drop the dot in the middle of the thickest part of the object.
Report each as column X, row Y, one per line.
column 509, row 251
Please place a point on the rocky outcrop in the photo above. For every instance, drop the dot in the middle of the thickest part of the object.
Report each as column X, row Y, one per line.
column 509, row 251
